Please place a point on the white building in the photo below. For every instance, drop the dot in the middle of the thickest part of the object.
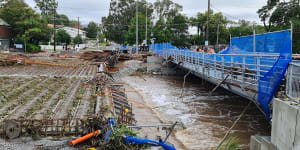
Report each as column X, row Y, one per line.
column 73, row 32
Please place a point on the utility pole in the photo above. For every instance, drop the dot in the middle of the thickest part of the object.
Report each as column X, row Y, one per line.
column 25, row 43
column 208, row 10
column 54, row 25
column 78, row 31
column 98, row 34
column 146, row 23
column 292, row 36
column 78, row 27
column 137, row 28
column 218, row 34
column 254, row 39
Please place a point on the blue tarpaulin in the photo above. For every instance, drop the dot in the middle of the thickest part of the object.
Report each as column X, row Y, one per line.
column 278, row 44
column 124, row 48
column 133, row 140
column 270, row 43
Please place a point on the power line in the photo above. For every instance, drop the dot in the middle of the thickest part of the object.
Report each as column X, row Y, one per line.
column 230, row 16
column 224, row 12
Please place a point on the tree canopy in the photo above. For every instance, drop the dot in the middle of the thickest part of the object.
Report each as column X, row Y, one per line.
column 46, row 6
column 63, row 37
column 77, row 40
column 278, row 15
column 130, row 35
column 27, row 25
column 91, row 30
column 165, row 21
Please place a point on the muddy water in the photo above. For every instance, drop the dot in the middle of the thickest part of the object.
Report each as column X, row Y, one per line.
column 206, row 118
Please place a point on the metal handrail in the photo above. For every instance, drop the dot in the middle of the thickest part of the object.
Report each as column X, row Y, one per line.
column 194, row 59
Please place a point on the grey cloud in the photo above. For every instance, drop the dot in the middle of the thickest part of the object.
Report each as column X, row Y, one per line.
column 94, row 10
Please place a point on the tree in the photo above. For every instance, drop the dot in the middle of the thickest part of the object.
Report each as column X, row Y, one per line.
column 73, row 23
column 160, row 32
column 240, row 31
column 91, row 30
column 15, row 12
column 179, row 31
column 77, row 40
column 131, row 35
column 279, row 15
column 215, row 19
column 121, row 13
column 166, row 12
column 63, row 37
column 61, row 19
column 27, row 26
column 166, row 9
column 46, row 6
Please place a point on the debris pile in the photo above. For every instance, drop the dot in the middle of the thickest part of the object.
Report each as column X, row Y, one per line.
column 9, row 60
column 110, row 57
column 101, row 80
column 101, row 115
column 97, row 56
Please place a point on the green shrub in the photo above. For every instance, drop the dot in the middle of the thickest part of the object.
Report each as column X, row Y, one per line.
column 232, row 143
column 44, row 43
column 33, row 48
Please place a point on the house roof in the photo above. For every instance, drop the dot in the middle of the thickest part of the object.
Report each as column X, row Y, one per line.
column 57, row 26
column 3, row 23
column 51, row 25
column 76, row 27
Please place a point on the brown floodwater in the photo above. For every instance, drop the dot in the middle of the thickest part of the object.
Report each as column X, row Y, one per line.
column 206, row 118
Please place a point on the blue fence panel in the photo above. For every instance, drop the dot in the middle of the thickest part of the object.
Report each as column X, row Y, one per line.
column 278, row 43
column 271, row 43
column 124, row 48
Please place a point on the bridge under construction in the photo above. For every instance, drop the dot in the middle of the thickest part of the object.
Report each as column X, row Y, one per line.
column 252, row 66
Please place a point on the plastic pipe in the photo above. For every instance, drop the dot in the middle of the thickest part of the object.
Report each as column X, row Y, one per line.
column 84, row 138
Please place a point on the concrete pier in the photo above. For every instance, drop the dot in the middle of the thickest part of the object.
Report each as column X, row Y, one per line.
column 154, row 64
column 285, row 128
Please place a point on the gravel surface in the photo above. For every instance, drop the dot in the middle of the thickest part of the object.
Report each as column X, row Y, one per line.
column 27, row 143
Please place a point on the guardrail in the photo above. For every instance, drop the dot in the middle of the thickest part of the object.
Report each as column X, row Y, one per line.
column 244, row 70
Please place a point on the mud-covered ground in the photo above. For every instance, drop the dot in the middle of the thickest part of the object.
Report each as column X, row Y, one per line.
column 44, row 97
column 36, row 91
column 45, row 90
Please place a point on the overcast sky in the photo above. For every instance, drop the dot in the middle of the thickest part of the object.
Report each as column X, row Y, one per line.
column 94, row 10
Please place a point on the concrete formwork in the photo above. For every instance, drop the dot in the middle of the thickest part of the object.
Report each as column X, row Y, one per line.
column 154, row 64
column 261, row 143
column 286, row 125
column 285, row 128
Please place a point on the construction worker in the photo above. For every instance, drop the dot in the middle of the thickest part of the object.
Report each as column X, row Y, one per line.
column 211, row 51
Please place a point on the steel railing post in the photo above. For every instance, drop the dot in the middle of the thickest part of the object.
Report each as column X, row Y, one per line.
column 258, row 68
column 244, row 69
column 222, row 67
column 231, row 69
column 215, row 65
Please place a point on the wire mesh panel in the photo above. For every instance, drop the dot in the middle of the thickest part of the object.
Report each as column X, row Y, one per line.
column 261, row 65
column 293, row 81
